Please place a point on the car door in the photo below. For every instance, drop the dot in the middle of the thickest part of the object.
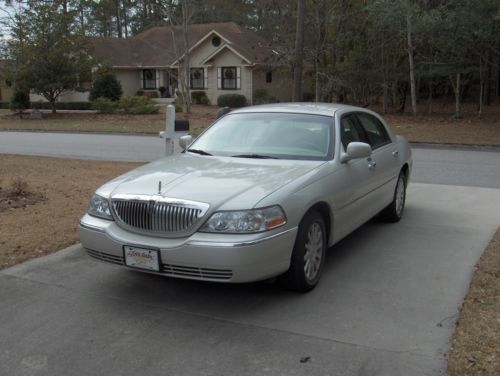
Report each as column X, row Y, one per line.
column 384, row 161
column 355, row 183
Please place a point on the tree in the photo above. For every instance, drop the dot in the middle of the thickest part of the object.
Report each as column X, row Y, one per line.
column 299, row 51
column 20, row 101
column 106, row 86
column 49, row 58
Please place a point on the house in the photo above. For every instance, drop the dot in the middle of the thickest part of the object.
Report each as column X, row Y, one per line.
column 224, row 58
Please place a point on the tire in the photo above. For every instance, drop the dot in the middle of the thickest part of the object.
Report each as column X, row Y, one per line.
column 394, row 211
column 308, row 254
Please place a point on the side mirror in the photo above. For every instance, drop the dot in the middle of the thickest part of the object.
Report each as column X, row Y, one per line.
column 185, row 141
column 356, row 150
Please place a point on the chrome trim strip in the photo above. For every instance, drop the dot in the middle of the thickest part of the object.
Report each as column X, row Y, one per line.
column 93, row 228
column 206, row 243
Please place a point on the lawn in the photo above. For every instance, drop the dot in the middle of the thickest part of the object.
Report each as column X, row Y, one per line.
column 439, row 127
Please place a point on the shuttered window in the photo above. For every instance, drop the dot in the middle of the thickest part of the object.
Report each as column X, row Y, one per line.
column 229, row 78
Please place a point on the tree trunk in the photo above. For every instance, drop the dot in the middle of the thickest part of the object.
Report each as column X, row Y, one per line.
column 53, row 105
column 481, row 87
column 455, row 84
column 119, row 18
column 431, row 88
column 299, row 52
column 185, row 26
column 412, row 65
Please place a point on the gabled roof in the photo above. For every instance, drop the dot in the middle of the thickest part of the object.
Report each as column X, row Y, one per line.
column 155, row 48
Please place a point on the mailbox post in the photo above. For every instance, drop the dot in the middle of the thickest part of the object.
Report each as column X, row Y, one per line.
column 168, row 133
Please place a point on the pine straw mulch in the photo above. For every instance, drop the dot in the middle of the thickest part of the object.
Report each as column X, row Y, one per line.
column 42, row 200
column 476, row 342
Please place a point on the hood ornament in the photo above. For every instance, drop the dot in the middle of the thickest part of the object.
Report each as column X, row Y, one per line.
column 159, row 187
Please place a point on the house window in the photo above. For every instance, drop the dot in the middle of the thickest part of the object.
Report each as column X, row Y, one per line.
column 269, row 77
column 197, row 78
column 228, row 78
column 149, row 78
column 216, row 41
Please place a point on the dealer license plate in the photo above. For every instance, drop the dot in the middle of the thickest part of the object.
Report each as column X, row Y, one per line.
column 142, row 258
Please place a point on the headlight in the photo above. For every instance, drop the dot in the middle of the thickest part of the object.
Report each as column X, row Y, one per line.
column 99, row 207
column 245, row 222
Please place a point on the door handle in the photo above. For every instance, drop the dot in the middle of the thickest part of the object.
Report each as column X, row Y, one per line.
column 395, row 153
column 372, row 165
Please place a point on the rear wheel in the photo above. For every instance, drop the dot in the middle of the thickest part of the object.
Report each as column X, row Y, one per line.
column 394, row 211
column 308, row 254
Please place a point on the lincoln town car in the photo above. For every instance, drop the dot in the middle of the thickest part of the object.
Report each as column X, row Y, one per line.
column 262, row 193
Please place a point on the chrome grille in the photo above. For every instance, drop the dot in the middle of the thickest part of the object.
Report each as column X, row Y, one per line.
column 180, row 271
column 198, row 273
column 157, row 215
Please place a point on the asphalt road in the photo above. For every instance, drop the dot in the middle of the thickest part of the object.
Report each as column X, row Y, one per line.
column 386, row 304
column 464, row 167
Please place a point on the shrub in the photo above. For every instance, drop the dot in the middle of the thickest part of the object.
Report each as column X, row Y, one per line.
column 199, row 97
column 105, row 105
column 151, row 94
column 139, row 93
column 106, row 86
column 20, row 101
column 138, row 105
column 261, row 96
column 231, row 100
column 62, row 105
column 4, row 105
column 19, row 187
column 308, row 97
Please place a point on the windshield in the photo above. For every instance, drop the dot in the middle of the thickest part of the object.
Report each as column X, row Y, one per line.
column 268, row 135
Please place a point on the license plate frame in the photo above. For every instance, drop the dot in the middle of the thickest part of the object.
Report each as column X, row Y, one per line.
column 141, row 258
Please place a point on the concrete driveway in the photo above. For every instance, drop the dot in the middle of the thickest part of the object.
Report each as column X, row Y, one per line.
column 386, row 305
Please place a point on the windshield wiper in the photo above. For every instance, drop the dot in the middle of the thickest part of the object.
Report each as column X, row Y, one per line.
column 256, row 156
column 198, row 151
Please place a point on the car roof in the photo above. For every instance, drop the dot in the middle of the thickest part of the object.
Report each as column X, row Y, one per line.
column 316, row 108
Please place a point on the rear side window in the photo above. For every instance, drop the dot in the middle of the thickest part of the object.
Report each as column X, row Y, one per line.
column 374, row 129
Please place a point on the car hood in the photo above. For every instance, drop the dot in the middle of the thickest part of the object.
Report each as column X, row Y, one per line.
column 222, row 182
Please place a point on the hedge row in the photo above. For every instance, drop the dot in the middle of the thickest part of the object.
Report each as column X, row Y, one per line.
column 59, row 105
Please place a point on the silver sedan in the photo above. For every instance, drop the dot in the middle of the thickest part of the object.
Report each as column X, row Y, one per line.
column 261, row 193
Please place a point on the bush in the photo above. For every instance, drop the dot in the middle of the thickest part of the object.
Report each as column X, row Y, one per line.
column 138, row 105
column 105, row 105
column 231, row 100
column 151, row 94
column 20, row 101
column 62, row 105
column 4, row 105
column 308, row 97
column 139, row 93
column 261, row 96
column 199, row 97
column 106, row 86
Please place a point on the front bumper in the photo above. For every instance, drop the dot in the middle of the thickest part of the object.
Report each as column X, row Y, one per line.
column 211, row 257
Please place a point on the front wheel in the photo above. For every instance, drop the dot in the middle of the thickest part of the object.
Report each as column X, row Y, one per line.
column 308, row 254
column 394, row 211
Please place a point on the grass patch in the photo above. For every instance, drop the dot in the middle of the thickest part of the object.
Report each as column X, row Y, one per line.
column 439, row 127
column 476, row 342
column 42, row 200
column 199, row 119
